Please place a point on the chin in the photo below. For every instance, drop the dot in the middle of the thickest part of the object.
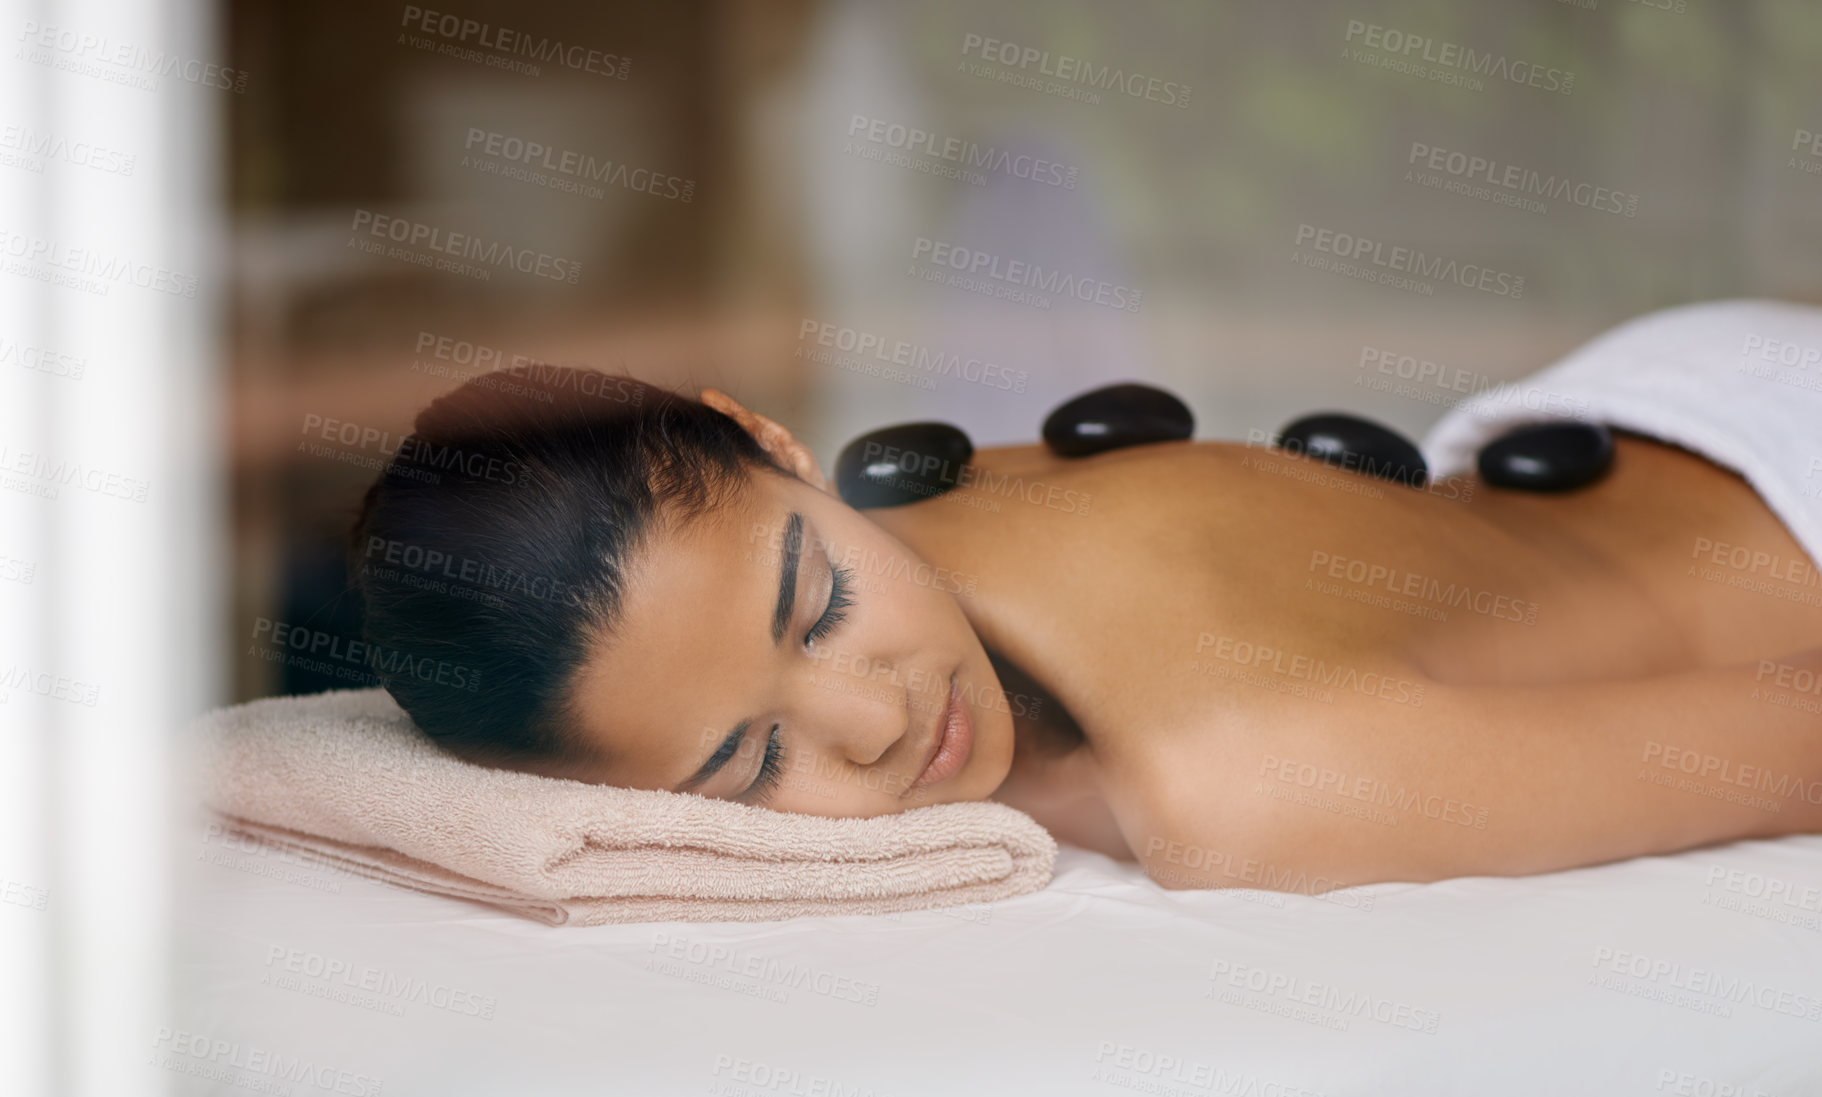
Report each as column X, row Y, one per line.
column 993, row 744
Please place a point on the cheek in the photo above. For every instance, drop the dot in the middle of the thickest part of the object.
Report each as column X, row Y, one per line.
column 919, row 596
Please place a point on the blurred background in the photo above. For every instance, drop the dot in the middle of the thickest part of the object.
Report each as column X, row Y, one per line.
column 241, row 244
column 755, row 194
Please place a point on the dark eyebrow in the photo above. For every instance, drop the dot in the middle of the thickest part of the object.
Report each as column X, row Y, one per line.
column 781, row 619
column 787, row 576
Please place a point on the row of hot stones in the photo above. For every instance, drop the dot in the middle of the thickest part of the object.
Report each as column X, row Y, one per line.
column 907, row 462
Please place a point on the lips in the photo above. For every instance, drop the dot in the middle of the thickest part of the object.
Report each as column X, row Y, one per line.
column 954, row 742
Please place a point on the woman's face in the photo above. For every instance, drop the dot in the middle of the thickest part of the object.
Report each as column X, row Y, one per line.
column 781, row 651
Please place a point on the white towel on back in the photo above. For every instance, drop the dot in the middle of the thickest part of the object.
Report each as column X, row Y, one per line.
column 1739, row 382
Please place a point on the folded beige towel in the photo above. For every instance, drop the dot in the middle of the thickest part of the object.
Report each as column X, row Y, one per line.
column 346, row 778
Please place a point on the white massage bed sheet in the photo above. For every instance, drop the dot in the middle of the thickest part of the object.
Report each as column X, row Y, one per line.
column 1673, row 975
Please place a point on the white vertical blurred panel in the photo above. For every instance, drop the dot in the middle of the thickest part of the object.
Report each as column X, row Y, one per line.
column 26, row 938
column 109, row 453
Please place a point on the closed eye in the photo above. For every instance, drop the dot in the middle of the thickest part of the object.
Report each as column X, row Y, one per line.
column 841, row 581
column 771, row 767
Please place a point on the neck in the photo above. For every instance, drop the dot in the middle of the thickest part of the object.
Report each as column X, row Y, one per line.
column 1042, row 728
column 1053, row 777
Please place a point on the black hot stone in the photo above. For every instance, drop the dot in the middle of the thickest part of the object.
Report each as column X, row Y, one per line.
column 892, row 466
column 1548, row 457
column 1358, row 445
column 1114, row 416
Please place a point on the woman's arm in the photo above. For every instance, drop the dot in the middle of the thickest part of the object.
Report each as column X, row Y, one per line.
column 1483, row 780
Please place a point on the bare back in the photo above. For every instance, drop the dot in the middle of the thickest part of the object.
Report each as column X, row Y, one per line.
column 1279, row 664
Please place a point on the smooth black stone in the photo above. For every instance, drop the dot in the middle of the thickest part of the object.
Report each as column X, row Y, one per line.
column 1358, row 445
column 1548, row 457
column 1114, row 416
column 892, row 466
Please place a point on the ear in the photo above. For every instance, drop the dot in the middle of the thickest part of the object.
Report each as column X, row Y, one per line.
column 773, row 438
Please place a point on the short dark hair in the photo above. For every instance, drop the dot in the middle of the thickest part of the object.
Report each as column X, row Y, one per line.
column 492, row 550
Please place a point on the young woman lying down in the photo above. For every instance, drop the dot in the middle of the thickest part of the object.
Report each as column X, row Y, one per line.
column 1195, row 654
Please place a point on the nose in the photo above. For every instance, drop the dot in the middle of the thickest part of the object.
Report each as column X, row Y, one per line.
column 856, row 709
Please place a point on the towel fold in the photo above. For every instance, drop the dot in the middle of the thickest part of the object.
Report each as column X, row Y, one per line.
column 1739, row 382
column 346, row 778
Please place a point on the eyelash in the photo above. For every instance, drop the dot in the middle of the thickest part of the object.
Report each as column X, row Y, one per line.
column 771, row 767
column 839, row 600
